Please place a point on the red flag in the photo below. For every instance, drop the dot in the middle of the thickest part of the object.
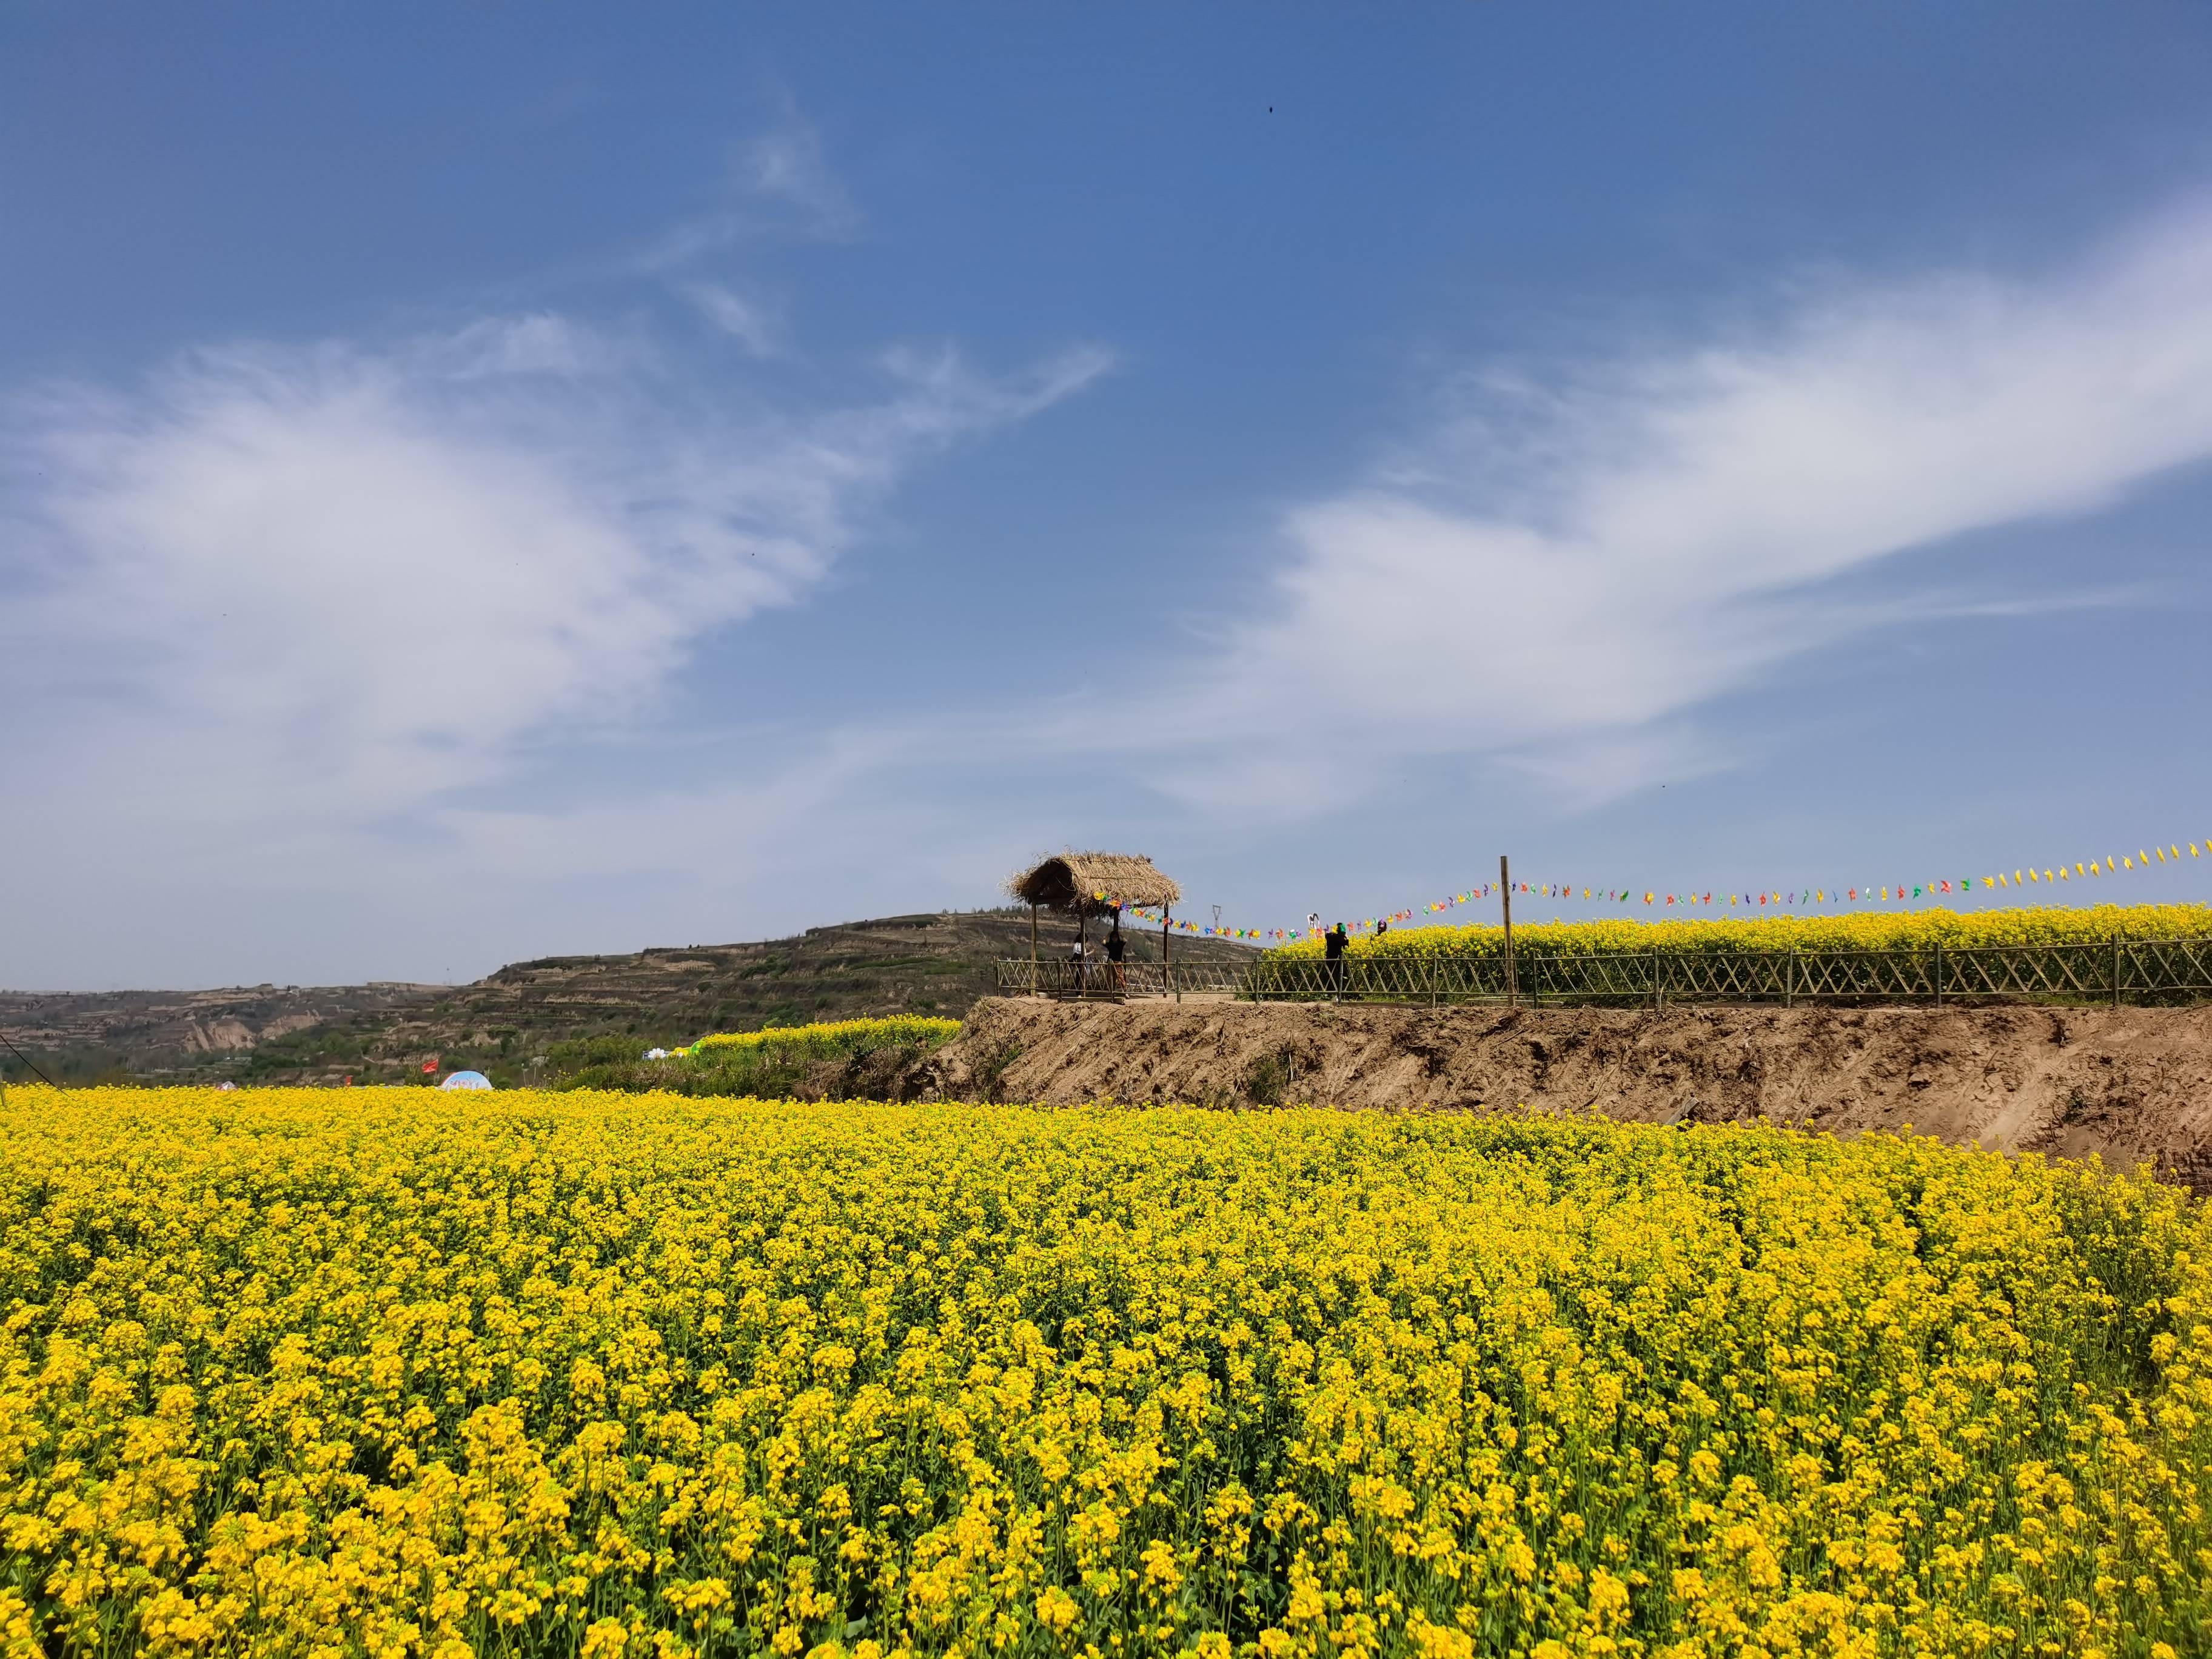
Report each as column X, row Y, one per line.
column 430, row 1065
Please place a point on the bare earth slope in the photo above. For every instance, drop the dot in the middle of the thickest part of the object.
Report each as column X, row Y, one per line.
column 2134, row 1085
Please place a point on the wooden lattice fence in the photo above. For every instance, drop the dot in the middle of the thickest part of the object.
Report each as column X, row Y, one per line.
column 2115, row 971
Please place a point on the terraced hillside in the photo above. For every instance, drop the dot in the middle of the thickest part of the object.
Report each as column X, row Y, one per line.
column 81, row 1037
column 934, row 962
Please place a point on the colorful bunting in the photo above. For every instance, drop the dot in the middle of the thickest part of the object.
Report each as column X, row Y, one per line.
column 1887, row 893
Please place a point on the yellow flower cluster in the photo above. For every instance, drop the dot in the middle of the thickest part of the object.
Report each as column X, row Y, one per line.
column 1914, row 930
column 833, row 1037
column 395, row 1372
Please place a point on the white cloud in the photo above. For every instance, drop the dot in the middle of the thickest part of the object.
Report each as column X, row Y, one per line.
column 779, row 186
column 786, row 166
column 292, row 600
column 743, row 320
column 1560, row 579
column 540, row 342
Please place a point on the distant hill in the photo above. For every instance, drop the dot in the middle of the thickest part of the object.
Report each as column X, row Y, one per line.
column 78, row 1037
column 936, row 962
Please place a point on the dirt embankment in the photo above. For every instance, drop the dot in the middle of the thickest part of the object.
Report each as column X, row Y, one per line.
column 2134, row 1085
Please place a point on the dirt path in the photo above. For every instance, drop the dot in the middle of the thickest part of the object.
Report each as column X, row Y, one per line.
column 2134, row 1085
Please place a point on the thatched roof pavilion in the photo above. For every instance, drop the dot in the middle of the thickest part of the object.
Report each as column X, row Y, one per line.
column 1094, row 884
column 1087, row 884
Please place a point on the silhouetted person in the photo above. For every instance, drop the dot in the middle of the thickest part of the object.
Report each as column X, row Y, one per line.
column 1115, row 975
column 1333, row 943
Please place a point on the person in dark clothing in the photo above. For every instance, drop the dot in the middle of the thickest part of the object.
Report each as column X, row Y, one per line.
column 1115, row 973
column 1333, row 943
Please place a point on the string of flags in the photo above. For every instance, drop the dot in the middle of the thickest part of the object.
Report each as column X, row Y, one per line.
column 1867, row 893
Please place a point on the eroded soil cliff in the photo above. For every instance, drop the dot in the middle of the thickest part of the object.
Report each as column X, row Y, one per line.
column 2133, row 1084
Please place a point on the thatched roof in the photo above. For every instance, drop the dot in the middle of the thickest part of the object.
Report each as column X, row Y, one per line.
column 1093, row 884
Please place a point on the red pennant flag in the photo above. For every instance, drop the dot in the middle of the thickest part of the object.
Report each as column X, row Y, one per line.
column 430, row 1065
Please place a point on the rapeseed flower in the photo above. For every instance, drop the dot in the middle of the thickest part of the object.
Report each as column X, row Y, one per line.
column 395, row 1373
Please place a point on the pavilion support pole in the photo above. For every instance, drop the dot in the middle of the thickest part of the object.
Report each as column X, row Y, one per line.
column 1034, row 986
column 1506, row 887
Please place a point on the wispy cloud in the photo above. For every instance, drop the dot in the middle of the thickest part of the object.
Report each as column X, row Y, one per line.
column 786, row 166
column 778, row 186
column 291, row 590
column 1575, row 562
column 746, row 321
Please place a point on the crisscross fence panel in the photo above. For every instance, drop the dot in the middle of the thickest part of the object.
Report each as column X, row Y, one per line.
column 2044, row 972
column 2147, row 971
column 2166, row 970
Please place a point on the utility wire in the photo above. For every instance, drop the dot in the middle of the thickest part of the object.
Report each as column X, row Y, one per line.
column 26, row 1059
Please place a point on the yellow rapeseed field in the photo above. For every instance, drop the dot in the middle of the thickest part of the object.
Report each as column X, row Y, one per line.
column 1909, row 930
column 394, row 1372
column 837, row 1037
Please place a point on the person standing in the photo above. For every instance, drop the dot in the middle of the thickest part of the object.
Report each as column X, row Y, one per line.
column 1333, row 943
column 1117, row 978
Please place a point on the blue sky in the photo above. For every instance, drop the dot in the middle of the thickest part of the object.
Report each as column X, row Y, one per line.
column 478, row 482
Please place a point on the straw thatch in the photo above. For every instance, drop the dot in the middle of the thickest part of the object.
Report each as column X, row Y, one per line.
column 1073, row 882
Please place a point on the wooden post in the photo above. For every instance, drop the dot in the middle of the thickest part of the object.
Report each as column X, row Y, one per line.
column 1034, row 986
column 1167, row 974
column 2116, row 971
column 1789, row 978
column 1939, row 973
column 1505, row 888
